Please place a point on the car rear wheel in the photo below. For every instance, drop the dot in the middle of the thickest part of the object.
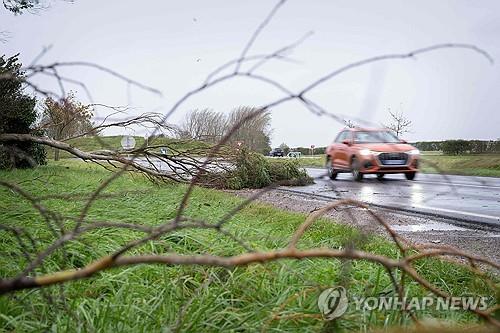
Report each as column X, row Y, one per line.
column 331, row 171
column 356, row 173
column 380, row 176
column 410, row 175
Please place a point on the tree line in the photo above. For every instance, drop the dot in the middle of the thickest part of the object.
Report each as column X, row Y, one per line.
column 211, row 126
column 448, row 147
column 459, row 147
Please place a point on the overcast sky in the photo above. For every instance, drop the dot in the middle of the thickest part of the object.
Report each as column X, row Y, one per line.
column 173, row 45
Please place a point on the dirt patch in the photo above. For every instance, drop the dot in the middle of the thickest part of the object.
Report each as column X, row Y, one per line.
column 417, row 229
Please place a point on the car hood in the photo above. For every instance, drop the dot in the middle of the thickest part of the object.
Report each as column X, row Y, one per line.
column 386, row 147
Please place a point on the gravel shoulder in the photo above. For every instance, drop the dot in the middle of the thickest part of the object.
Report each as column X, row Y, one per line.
column 417, row 229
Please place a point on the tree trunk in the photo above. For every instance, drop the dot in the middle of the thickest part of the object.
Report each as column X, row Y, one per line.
column 56, row 151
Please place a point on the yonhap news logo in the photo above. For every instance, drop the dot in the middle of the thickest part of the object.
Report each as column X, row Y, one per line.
column 333, row 303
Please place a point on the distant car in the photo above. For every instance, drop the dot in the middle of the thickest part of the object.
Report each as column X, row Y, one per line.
column 371, row 151
column 277, row 152
column 294, row 154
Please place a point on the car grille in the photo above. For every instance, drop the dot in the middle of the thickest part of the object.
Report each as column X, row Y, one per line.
column 393, row 158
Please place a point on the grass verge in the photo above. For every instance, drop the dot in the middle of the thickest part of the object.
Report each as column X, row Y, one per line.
column 470, row 165
column 93, row 143
column 278, row 296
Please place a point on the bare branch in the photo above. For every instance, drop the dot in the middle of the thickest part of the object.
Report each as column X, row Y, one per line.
column 188, row 167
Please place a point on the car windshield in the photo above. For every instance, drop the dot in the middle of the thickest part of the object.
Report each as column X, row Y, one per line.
column 375, row 137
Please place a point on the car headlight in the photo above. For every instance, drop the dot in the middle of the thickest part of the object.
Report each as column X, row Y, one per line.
column 414, row 152
column 365, row 152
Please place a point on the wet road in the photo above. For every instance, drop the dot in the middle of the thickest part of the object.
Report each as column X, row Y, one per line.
column 464, row 198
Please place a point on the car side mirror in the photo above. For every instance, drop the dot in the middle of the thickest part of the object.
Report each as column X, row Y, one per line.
column 403, row 141
column 346, row 142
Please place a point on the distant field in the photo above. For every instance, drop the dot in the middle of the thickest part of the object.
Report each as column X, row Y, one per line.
column 431, row 152
column 312, row 161
column 435, row 162
column 113, row 143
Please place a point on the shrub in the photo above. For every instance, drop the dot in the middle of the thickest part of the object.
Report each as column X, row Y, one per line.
column 455, row 147
column 288, row 170
column 429, row 145
column 17, row 115
column 252, row 170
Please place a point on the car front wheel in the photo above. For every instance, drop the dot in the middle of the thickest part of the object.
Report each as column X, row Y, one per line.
column 356, row 173
column 332, row 174
column 410, row 175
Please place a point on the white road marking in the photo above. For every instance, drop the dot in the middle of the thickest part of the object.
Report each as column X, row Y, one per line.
column 493, row 187
column 458, row 212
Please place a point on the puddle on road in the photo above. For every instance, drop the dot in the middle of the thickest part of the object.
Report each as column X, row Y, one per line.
column 431, row 226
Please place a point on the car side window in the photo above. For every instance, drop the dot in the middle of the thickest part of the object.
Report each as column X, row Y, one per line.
column 348, row 136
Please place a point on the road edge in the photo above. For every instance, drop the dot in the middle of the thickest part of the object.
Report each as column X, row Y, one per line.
column 458, row 220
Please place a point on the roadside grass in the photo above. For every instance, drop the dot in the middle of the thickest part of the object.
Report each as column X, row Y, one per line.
column 470, row 165
column 93, row 143
column 309, row 161
column 434, row 162
column 280, row 296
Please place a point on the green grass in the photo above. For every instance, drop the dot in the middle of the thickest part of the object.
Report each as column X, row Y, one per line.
column 148, row 298
column 471, row 165
column 434, row 162
column 114, row 143
column 311, row 161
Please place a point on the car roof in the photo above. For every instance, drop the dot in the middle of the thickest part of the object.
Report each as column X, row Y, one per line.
column 366, row 129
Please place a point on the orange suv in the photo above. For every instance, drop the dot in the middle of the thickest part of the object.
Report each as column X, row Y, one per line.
column 371, row 151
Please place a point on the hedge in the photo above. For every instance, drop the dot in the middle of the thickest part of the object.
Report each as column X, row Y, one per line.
column 456, row 147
